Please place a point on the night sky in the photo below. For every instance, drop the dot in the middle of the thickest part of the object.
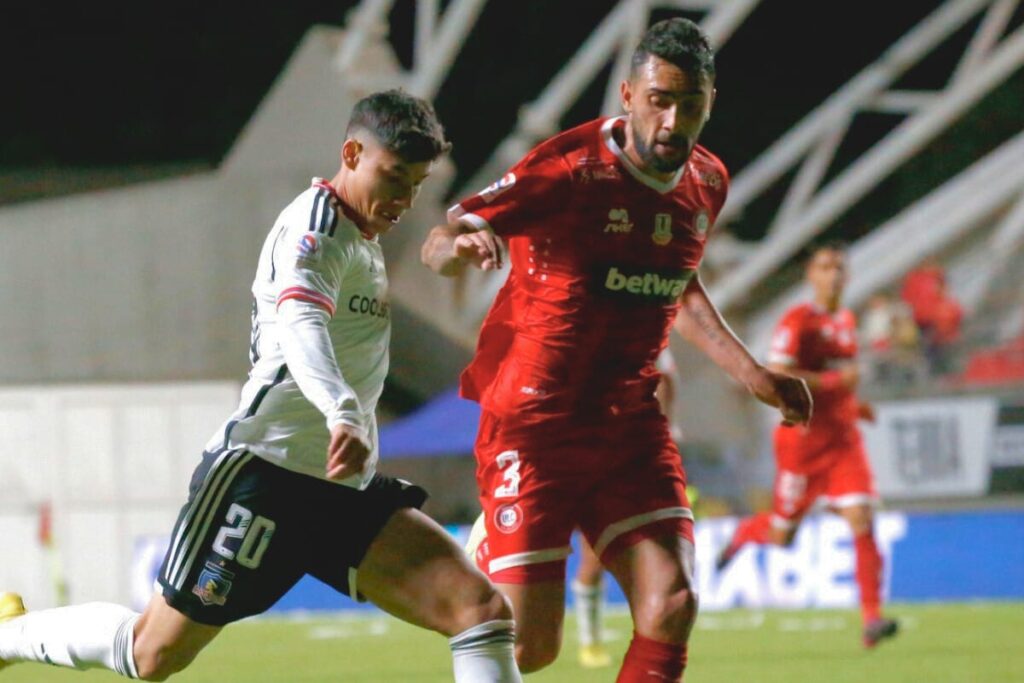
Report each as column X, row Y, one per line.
column 105, row 85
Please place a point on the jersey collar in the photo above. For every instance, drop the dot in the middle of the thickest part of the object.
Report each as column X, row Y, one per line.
column 657, row 185
column 349, row 212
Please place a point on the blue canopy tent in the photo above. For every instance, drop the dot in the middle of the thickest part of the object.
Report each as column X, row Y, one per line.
column 445, row 426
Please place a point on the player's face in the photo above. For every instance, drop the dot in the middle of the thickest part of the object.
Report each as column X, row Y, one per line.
column 827, row 274
column 382, row 185
column 667, row 109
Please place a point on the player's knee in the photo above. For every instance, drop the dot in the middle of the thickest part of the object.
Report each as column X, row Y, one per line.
column 474, row 603
column 155, row 662
column 535, row 653
column 668, row 617
column 156, row 666
column 783, row 537
column 860, row 519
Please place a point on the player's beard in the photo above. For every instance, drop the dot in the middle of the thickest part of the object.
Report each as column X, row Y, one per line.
column 657, row 163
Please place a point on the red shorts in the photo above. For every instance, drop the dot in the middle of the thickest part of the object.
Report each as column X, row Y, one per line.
column 824, row 461
column 619, row 482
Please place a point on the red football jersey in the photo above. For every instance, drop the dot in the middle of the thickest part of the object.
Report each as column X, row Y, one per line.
column 599, row 253
column 810, row 338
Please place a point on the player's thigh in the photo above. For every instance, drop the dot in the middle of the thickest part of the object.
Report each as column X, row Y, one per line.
column 167, row 640
column 657, row 576
column 851, row 484
column 414, row 570
column 644, row 497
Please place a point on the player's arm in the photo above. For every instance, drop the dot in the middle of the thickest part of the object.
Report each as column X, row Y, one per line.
column 700, row 323
column 845, row 377
column 449, row 248
column 309, row 271
column 309, row 354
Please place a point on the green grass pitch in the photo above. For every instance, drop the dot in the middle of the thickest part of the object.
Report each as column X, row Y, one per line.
column 966, row 643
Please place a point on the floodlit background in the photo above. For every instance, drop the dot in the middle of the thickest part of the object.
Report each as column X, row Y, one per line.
column 145, row 151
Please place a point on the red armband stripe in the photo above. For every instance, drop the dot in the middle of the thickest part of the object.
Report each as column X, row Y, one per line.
column 308, row 295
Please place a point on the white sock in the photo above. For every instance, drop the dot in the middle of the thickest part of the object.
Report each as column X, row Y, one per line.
column 486, row 653
column 588, row 602
column 94, row 635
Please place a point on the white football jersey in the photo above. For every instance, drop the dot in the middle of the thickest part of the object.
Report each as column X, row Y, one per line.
column 316, row 271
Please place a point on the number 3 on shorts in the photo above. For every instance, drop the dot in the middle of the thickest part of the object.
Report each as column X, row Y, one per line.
column 255, row 535
column 508, row 462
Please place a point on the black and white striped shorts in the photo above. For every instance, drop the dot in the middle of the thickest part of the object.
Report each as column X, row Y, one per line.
column 251, row 529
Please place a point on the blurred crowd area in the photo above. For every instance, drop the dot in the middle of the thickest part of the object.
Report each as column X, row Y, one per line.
column 920, row 337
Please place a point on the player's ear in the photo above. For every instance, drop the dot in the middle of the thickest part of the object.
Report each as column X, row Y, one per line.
column 626, row 95
column 350, row 153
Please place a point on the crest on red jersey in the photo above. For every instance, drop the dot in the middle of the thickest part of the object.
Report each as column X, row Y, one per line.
column 662, row 229
column 701, row 222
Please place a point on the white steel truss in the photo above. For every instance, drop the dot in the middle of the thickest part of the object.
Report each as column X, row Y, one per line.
column 809, row 208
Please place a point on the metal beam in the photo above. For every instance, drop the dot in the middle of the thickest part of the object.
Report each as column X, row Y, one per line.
column 865, row 86
column 865, row 173
column 880, row 258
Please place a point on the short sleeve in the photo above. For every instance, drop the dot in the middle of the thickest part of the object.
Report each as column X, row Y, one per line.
column 309, row 259
column 533, row 187
column 785, row 345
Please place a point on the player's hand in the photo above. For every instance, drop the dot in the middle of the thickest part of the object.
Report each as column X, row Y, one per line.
column 482, row 248
column 849, row 375
column 866, row 412
column 347, row 452
column 787, row 393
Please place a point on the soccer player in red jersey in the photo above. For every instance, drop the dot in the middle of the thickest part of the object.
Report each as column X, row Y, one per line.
column 606, row 226
column 817, row 342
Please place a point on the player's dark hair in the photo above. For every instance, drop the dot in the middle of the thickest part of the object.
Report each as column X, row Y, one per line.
column 402, row 123
column 678, row 41
column 838, row 246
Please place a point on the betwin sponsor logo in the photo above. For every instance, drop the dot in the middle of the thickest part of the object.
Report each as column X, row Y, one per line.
column 647, row 284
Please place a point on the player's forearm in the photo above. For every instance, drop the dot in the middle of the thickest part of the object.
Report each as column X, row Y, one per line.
column 700, row 323
column 817, row 381
column 309, row 354
column 438, row 251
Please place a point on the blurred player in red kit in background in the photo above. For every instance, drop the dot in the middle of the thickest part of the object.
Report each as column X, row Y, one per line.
column 817, row 342
column 606, row 226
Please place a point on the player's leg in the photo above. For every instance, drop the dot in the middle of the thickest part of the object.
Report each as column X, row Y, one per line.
column 794, row 491
column 588, row 601
column 539, row 606
column 88, row 636
column 529, row 496
column 639, row 521
column 852, row 495
column 162, row 640
column 792, row 497
column 415, row 571
column 657, row 576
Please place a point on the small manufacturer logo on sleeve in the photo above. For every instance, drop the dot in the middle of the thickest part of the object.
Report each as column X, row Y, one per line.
column 491, row 192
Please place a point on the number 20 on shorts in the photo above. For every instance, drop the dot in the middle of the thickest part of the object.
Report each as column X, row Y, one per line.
column 255, row 535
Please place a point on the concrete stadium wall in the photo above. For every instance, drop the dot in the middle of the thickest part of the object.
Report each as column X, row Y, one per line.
column 151, row 282
column 114, row 464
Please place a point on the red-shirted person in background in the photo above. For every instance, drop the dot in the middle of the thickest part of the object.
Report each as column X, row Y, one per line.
column 817, row 341
column 606, row 226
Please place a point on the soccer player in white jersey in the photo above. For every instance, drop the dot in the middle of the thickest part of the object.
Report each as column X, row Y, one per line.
column 288, row 486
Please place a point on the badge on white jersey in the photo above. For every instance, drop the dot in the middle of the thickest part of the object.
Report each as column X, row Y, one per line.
column 308, row 248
